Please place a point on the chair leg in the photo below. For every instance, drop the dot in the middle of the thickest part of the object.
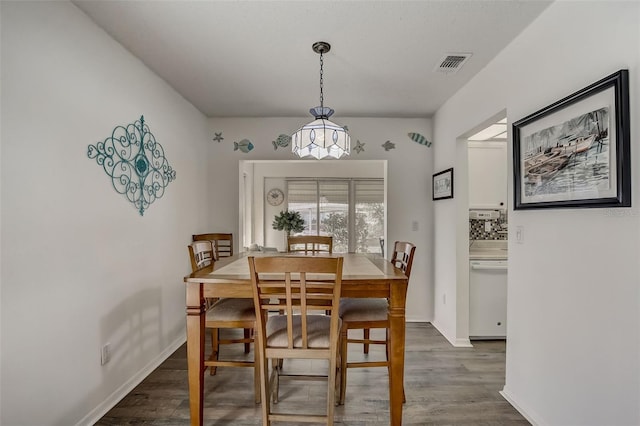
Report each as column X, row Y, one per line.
column 338, row 374
column 343, row 364
column 366, row 334
column 215, row 347
column 331, row 390
column 264, row 389
column 256, row 374
column 275, row 380
column 247, row 335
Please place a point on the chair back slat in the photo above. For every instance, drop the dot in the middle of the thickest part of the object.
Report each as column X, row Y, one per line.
column 201, row 254
column 403, row 256
column 303, row 285
column 222, row 243
column 310, row 244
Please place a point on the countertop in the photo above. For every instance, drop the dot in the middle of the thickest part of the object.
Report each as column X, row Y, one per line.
column 488, row 250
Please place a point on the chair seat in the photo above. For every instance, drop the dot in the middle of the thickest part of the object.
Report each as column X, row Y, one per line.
column 318, row 329
column 363, row 309
column 232, row 310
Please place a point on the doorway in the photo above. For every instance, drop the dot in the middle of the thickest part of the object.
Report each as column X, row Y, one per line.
column 482, row 213
column 260, row 177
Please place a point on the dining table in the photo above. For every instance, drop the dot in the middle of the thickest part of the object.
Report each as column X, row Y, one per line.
column 364, row 275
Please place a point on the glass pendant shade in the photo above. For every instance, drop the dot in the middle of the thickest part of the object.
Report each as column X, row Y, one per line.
column 321, row 138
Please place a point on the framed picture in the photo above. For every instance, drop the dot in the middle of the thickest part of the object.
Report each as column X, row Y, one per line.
column 443, row 185
column 575, row 152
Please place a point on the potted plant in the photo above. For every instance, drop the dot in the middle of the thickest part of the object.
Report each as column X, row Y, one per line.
column 288, row 221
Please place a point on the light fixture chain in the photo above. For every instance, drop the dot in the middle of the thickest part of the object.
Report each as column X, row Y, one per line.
column 321, row 81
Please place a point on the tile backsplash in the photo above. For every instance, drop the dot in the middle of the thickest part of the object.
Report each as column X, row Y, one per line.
column 498, row 228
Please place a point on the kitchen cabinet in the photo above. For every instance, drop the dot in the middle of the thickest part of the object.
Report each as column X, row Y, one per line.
column 487, row 175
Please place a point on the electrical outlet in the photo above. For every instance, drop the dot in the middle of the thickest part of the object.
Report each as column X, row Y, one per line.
column 105, row 355
column 414, row 225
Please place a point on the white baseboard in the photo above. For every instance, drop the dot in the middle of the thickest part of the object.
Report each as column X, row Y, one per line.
column 456, row 342
column 463, row 343
column 527, row 413
column 98, row 412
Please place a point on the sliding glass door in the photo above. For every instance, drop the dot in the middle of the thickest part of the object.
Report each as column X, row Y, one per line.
column 350, row 210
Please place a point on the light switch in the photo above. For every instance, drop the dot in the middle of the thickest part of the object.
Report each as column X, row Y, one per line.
column 520, row 234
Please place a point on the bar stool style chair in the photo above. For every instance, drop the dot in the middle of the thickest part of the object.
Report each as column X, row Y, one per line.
column 366, row 314
column 305, row 335
column 310, row 244
column 225, row 313
column 222, row 243
column 222, row 247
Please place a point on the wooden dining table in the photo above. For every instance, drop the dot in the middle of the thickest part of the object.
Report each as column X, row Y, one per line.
column 364, row 276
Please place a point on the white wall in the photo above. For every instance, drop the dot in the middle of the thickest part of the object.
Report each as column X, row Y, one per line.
column 408, row 181
column 573, row 346
column 80, row 266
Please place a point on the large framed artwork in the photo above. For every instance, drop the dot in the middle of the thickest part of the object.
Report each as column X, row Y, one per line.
column 576, row 152
column 443, row 185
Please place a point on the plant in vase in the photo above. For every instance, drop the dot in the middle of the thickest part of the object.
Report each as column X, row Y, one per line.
column 288, row 221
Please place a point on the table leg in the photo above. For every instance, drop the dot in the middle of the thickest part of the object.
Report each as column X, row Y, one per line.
column 397, row 318
column 195, row 350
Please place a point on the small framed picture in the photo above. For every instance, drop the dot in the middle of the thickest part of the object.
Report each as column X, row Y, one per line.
column 443, row 185
column 576, row 151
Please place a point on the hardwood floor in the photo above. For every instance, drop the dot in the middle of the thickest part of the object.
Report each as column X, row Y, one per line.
column 443, row 385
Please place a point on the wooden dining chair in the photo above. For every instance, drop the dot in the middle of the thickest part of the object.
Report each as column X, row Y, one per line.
column 225, row 313
column 366, row 314
column 222, row 243
column 310, row 244
column 302, row 332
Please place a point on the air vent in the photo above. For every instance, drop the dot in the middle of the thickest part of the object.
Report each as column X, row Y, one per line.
column 452, row 62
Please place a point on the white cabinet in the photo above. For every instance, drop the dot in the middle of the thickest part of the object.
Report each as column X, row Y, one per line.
column 487, row 175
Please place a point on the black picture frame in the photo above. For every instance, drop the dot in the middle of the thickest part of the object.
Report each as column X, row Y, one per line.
column 442, row 185
column 575, row 153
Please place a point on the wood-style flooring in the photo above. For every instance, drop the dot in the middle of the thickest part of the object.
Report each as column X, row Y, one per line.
column 444, row 385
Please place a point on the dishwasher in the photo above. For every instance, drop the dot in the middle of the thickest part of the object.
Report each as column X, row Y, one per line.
column 487, row 299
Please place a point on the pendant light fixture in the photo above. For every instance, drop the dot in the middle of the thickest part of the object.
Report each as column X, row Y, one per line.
column 321, row 138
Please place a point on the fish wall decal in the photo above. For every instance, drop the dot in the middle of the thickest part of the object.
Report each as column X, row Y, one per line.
column 282, row 141
column 244, row 145
column 417, row 137
column 388, row 145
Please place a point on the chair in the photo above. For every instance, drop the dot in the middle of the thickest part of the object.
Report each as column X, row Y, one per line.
column 310, row 244
column 225, row 313
column 366, row 314
column 222, row 247
column 222, row 243
column 307, row 334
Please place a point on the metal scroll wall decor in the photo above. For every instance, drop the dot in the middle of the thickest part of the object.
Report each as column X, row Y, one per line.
column 135, row 162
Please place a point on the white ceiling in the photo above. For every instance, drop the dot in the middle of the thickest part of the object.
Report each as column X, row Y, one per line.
column 254, row 58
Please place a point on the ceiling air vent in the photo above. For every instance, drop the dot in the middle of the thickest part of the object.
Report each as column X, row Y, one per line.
column 452, row 62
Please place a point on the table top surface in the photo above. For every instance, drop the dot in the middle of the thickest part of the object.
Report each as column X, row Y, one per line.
column 357, row 266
